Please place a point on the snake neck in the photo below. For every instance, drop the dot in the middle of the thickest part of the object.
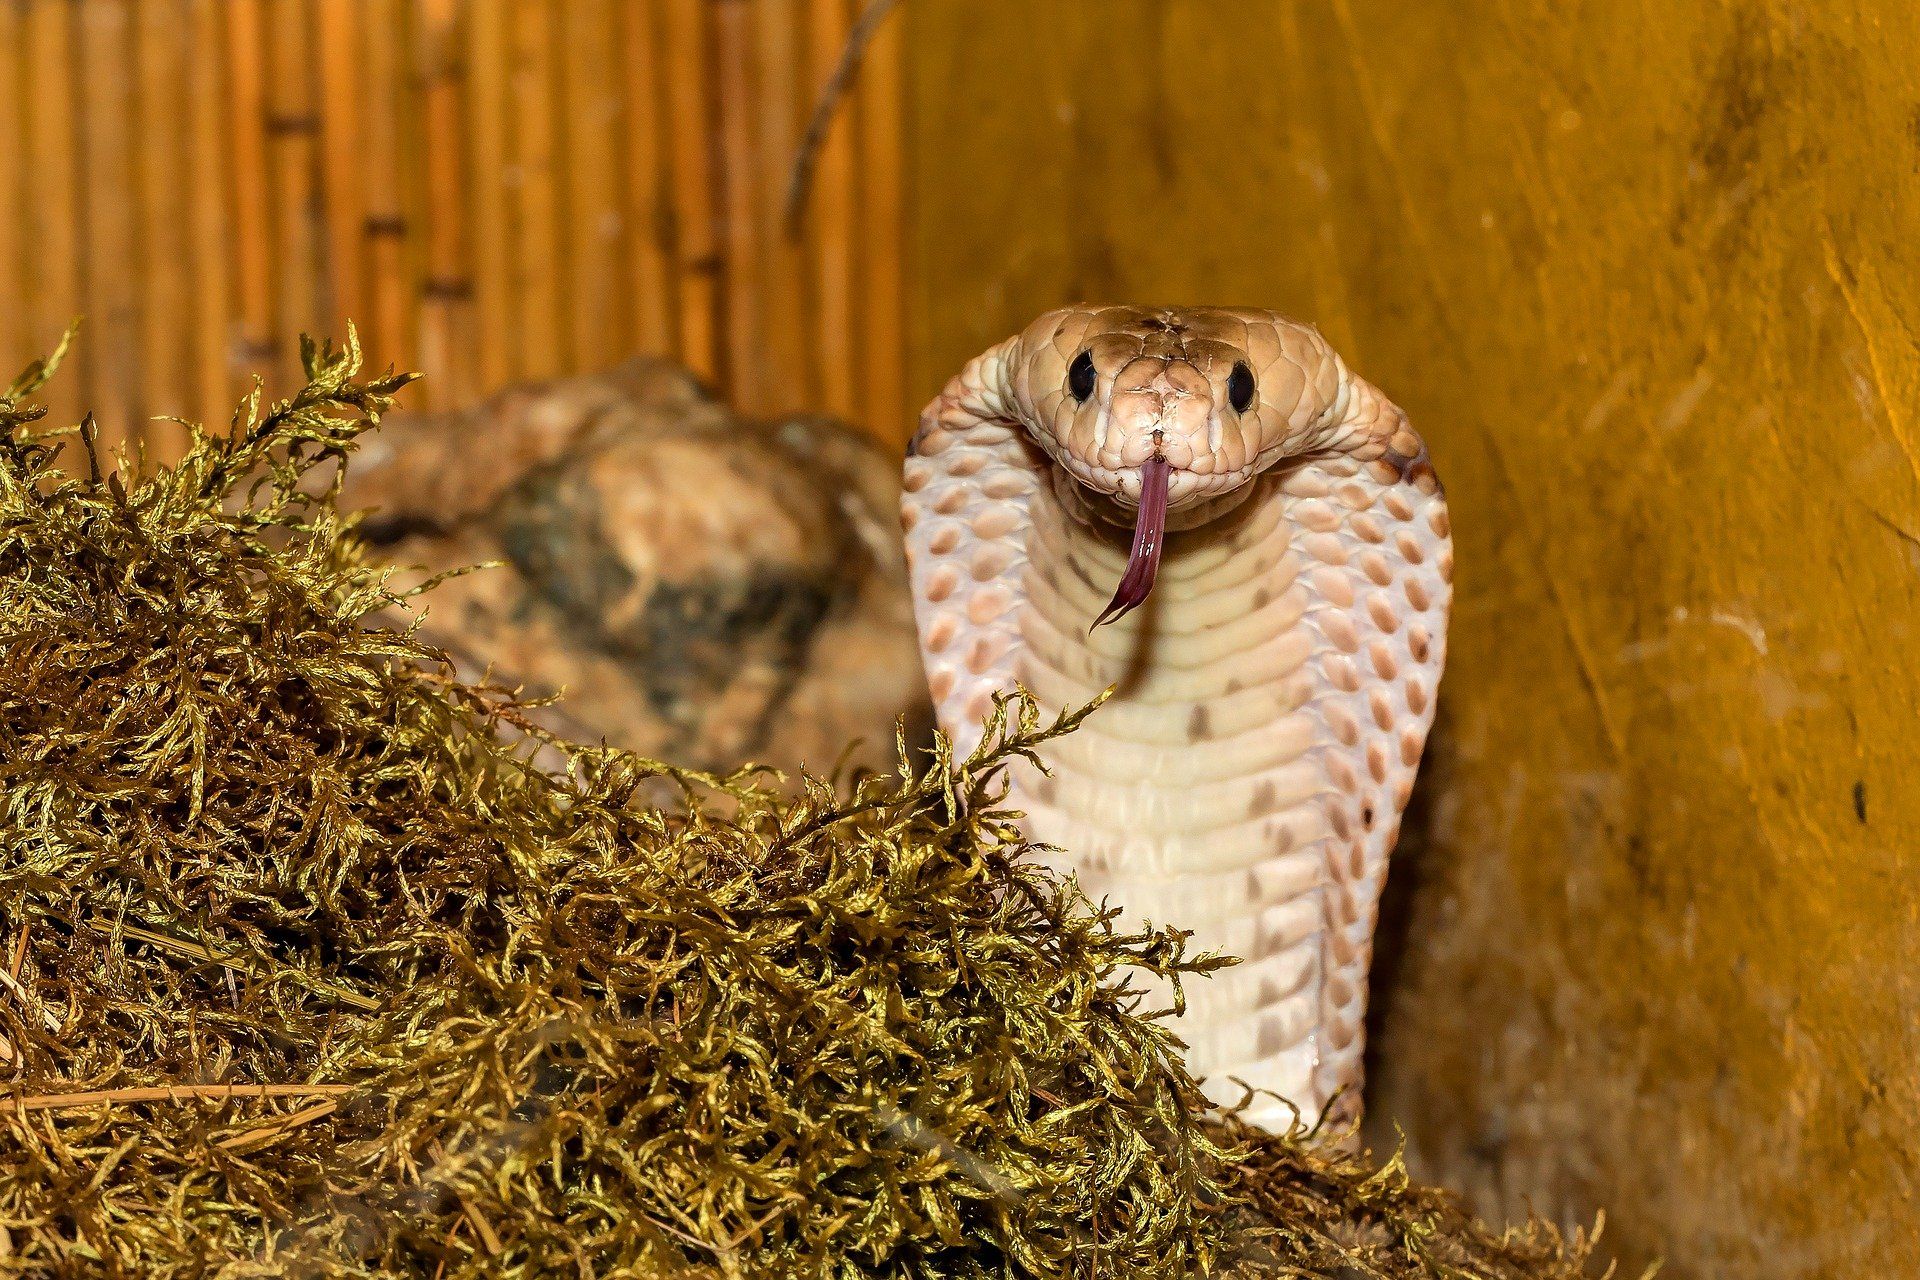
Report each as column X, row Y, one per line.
column 1190, row 799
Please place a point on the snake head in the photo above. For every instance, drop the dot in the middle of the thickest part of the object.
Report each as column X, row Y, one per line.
column 1166, row 415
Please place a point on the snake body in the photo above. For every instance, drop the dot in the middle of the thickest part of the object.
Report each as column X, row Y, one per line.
column 1275, row 684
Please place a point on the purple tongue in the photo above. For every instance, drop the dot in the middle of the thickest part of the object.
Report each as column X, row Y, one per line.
column 1149, row 530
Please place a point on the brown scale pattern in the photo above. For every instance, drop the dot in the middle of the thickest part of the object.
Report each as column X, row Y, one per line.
column 1390, row 554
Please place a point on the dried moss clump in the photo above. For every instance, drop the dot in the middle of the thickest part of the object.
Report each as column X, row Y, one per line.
column 307, row 970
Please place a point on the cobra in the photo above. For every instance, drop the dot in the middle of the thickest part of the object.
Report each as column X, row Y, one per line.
column 1267, row 541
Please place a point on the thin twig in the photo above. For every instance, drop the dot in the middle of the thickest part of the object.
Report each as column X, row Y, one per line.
column 33, row 1004
column 20, row 950
column 447, row 1244
column 260, row 1135
column 481, row 1227
column 800, row 177
column 469, row 1212
column 754, row 1227
column 170, row 1093
column 246, row 964
column 702, row 1245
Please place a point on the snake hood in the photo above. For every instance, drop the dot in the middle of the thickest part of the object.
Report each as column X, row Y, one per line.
column 1163, row 416
column 1279, row 520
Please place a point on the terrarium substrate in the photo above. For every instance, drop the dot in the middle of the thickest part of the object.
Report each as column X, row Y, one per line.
column 308, row 970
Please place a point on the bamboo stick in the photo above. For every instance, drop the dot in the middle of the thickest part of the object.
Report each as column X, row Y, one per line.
column 446, row 307
column 208, row 94
column 742, row 283
column 792, row 382
column 342, row 178
column 652, row 274
column 53, row 213
column 831, row 216
column 15, row 342
column 161, row 156
column 537, row 262
column 391, row 299
column 498, row 338
column 293, row 129
column 882, row 93
column 687, row 54
column 108, row 264
column 252, row 214
column 596, row 302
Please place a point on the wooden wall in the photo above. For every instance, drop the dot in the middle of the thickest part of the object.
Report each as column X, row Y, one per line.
column 491, row 189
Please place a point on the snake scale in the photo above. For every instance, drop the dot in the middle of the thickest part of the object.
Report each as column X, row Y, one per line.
column 1267, row 541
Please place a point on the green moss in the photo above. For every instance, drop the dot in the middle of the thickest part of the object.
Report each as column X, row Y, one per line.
column 522, row 1021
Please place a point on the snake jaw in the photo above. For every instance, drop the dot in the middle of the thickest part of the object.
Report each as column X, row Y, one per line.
column 1149, row 532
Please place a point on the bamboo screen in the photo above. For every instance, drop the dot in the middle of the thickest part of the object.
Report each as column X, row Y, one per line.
column 493, row 190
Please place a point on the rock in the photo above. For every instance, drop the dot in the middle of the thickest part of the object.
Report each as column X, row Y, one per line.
column 700, row 589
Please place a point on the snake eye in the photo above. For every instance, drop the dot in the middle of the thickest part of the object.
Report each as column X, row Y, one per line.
column 1240, row 387
column 1080, row 376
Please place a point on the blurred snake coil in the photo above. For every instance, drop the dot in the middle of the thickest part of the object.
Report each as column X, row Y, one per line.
column 306, row 970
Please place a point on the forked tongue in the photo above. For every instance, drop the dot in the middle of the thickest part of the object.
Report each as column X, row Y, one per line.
column 1149, row 531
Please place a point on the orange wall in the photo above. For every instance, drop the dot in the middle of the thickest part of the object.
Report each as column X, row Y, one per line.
column 1648, row 278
